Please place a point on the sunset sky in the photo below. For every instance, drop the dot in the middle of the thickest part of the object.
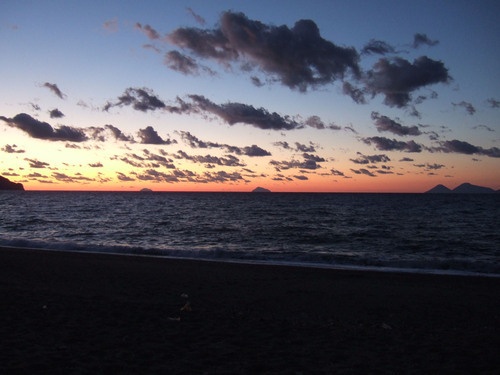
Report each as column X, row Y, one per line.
column 319, row 96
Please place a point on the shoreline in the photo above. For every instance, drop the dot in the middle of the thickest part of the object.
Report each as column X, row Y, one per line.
column 279, row 263
column 74, row 312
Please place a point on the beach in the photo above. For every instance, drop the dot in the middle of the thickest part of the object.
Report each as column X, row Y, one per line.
column 90, row 313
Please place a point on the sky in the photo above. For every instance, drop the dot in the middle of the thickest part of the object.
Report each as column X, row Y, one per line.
column 292, row 96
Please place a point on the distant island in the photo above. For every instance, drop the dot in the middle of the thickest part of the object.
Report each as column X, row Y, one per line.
column 6, row 184
column 146, row 190
column 261, row 190
column 465, row 188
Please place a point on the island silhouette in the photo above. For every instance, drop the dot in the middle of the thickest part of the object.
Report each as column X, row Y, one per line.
column 465, row 188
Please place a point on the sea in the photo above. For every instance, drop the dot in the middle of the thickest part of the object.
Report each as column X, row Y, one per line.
column 431, row 233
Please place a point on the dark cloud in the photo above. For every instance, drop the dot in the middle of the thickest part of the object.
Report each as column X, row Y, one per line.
column 228, row 160
column 493, row 103
column 181, row 63
column 12, row 149
column 196, row 17
column 147, row 30
column 43, row 130
column 123, row 177
column 406, row 159
column 195, row 142
column 34, row 163
column 462, row 147
column 301, row 177
column 384, row 123
column 117, row 133
column 429, row 167
column 96, row 165
column 156, row 176
column 78, row 178
column 421, row 39
column 298, row 57
column 149, row 136
column 317, row 123
column 34, row 106
column 367, row 159
column 148, row 160
column 310, row 162
column 397, row 78
column 55, row 113
column 337, row 173
column 222, row 176
column 468, row 107
column 363, row 171
column 141, row 99
column 305, row 148
column 312, row 157
column 355, row 93
column 386, row 144
column 233, row 113
column 255, row 150
column 53, row 87
column 378, row 47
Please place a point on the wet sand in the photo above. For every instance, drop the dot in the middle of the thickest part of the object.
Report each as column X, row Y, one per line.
column 76, row 313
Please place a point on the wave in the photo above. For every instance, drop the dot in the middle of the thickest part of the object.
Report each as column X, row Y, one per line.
column 450, row 266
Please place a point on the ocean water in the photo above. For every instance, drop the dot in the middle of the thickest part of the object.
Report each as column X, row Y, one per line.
column 415, row 232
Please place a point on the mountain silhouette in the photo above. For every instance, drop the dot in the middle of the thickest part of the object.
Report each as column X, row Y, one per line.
column 465, row 188
column 6, row 184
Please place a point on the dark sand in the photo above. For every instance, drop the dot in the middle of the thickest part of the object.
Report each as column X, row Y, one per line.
column 75, row 313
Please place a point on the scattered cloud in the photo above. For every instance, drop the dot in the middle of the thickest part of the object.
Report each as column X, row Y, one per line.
column 384, row 123
column 55, row 113
column 310, row 162
column 366, row 159
column 196, row 16
column 386, row 144
column 43, row 130
column 493, row 103
column 55, row 89
column 77, row 178
column 363, row 171
column 468, row 107
column 462, row 147
column 149, row 136
column 378, row 47
column 337, row 173
column 182, row 63
column 356, row 94
column 147, row 30
column 233, row 113
column 12, row 149
column 123, row 177
column 195, row 142
column 483, row 127
column 429, row 167
column 35, row 163
column 422, row 39
column 96, row 165
column 141, row 99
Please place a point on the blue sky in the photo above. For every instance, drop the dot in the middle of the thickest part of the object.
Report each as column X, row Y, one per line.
column 442, row 57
